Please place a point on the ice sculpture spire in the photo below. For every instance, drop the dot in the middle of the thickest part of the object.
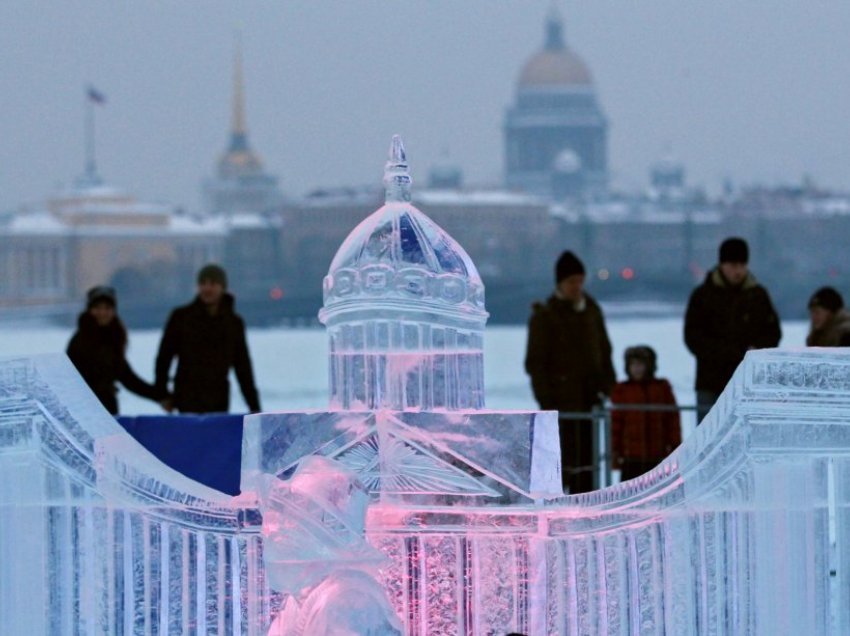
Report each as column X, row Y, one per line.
column 397, row 179
column 404, row 309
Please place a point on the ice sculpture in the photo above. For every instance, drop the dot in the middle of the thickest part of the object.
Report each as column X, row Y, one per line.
column 745, row 529
column 404, row 310
column 314, row 550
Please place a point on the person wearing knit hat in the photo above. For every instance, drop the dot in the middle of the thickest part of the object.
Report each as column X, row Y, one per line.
column 568, row 265
column 98, row 349
column 829, row 321
column 727, row 315
column 734, row 250
column 214, row 274
column 207, row 337
column 568, row 358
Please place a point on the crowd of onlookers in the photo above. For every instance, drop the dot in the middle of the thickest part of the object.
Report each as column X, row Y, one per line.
column 568, row 357
column 569, row 360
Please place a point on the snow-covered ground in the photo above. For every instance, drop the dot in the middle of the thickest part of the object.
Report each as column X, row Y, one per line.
column 291, row 364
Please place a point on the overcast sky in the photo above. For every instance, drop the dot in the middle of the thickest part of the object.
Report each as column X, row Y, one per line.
column 755, row 91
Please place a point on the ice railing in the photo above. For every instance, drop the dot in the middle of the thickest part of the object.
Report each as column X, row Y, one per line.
column 97, row 536
column 742, row 530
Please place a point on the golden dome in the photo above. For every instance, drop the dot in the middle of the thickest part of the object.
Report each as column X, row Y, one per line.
column 558, row 67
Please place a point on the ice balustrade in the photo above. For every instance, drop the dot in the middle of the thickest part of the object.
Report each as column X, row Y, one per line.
column 744, row 529
column 97, row 536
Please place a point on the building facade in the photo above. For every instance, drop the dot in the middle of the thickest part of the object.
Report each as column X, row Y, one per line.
column 556, row 132
column 99, row 235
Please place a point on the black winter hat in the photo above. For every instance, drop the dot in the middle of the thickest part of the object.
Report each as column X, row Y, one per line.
column 568, row 265
column 101, row 293
column 645, row 354
column 734, row 250
column 828, row 298
column 214, row 273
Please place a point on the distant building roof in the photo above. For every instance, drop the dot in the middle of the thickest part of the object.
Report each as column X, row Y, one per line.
column 556, row 64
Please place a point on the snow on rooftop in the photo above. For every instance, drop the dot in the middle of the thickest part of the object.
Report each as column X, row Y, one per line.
column 475, row 197
column 251, row 221
column 32, row 223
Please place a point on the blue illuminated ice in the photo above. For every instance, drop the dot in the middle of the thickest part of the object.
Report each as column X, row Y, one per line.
column 406, row 505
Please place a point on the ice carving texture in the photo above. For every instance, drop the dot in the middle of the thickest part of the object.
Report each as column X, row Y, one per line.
column 744, row 529
column 97, row 536
column 314, row 549
column 404, row 310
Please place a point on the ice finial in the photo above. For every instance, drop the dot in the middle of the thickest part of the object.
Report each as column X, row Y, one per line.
column 396, row 177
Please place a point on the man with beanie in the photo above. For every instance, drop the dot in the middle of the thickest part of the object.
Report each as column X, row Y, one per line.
column 569, row 360
column 207, row 337
column 729, row 314
column 829, row 320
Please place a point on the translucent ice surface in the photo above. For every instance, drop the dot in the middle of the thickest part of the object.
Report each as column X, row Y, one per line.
column 404, row 310
column 405, row 505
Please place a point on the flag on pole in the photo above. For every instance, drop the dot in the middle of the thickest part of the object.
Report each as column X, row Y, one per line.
column 95, row 95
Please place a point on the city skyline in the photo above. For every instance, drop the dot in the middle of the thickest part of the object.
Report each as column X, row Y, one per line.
column 747, row 93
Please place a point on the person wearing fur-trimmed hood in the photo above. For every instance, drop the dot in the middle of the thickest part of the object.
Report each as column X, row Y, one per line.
column 829, row 320
column 729, row 314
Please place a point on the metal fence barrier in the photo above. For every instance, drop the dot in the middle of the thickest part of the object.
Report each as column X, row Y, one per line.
column 600, row 417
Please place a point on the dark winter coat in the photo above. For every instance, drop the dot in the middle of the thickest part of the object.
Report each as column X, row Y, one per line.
column 568, row 355
column 206, row 347
column 723, row 322
column 98, row 354
column 647, row 436
column 835, row 333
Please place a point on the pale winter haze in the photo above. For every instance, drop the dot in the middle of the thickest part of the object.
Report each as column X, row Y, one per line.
column 750, row 91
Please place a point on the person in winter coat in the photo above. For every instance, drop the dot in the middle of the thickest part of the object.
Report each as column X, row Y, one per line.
column 568, row 357
column 98, row 348
column 729, row 314
column 207, row 337
column 640, row 440
column 829, row 320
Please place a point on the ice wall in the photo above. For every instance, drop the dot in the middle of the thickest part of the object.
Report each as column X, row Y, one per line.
column 743, row 530
column 97, row 536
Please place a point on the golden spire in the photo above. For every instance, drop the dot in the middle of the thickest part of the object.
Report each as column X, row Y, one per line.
column 238, row 159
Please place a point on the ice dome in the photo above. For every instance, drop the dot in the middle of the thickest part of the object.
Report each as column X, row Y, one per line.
column 404, row 311
column 398, row 256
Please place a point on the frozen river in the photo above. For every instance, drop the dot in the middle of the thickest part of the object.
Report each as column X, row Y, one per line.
column 291, row 364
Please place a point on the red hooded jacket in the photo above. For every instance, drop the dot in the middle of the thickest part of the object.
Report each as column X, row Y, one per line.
column 643, row 435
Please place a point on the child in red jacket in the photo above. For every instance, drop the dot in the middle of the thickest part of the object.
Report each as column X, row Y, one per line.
column 640, row 440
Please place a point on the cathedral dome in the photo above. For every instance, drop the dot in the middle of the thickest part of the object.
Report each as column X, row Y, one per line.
column 400, row 257
column 556, row 64
column 555, row 68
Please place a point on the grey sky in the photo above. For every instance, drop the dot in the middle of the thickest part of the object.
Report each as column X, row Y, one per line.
column 754, row 90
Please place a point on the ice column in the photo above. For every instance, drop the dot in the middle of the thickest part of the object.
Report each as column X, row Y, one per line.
column 404, row 310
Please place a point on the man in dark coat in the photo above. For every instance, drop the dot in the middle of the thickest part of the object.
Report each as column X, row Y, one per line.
column 569, row 360
column 208, row 339
column 729, row 314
